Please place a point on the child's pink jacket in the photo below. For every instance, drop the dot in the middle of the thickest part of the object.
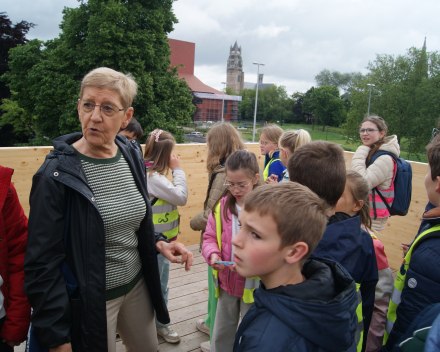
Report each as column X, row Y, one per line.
column 231, row 283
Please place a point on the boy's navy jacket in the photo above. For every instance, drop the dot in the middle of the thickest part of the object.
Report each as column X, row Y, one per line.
column 345, row 242
column 424, row 269
column 316, row 315
column 277, row 167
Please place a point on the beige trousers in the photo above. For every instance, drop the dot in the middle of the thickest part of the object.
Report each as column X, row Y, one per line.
column 133, row 316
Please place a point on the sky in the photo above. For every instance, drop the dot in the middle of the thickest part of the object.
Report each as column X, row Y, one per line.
column 295, row 39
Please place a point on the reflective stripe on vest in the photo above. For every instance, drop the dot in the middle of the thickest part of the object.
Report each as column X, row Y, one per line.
column 251, row 283
column 166, row 218
column 377, row 205
column 359, row 336
column 399, row 284
column 266, row 169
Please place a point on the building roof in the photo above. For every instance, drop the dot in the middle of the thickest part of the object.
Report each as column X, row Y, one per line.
column 197, row 85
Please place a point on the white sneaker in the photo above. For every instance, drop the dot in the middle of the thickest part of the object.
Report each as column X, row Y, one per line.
column 200, row 324
column 205, row 346
column 169, row 334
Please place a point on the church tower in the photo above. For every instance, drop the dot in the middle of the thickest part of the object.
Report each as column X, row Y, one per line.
column 234, row 70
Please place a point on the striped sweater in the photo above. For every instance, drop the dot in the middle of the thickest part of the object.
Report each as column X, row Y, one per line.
column 122, row 209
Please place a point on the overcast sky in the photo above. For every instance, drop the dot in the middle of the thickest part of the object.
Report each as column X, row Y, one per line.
column 295, row 39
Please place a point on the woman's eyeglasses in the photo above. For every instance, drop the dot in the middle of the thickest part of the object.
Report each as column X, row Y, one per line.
column 367, row 130
column 107, row 109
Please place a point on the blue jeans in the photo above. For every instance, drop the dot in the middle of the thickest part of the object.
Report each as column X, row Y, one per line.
column 164, row 272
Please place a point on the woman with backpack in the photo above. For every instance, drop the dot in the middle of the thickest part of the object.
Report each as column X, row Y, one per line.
column 381, row 172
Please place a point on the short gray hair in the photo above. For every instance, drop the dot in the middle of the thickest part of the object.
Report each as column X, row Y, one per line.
column 106, row 78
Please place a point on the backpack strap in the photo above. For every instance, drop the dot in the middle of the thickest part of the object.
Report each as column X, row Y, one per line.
column 375, row 189
column 154, row 201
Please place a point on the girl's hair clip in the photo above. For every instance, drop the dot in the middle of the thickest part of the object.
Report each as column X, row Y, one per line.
column 157, row 135
column 246, row 150
column 298, row 131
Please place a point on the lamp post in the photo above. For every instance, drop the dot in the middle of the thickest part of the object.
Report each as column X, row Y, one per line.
column 369, row 100
column 256, row 98
column 223, row 102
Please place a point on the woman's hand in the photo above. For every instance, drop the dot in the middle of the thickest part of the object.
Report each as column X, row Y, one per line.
column 271, row 180
column 62, row 348
column 174, row 162
column 218, row 267
column 172, row 250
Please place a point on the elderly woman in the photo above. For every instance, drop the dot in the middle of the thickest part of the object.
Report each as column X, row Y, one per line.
column 90, row 210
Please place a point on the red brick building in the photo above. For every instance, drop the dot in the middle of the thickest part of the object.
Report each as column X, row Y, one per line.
column 208, row 99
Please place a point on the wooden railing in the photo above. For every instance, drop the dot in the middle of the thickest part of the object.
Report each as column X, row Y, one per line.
column 26, row 161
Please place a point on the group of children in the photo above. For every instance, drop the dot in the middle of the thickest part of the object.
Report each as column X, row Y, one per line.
column 325, row 280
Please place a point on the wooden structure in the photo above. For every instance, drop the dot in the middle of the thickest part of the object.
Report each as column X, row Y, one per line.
column 26, row 161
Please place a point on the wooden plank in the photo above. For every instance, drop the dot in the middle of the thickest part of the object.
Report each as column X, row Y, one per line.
column 187, row 300
column 180, row 281
column 187, row 289
column 194, row 269
column 189, row 312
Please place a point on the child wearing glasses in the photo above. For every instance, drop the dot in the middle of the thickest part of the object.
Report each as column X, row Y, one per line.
column 165, row 196
column 234, row 292
column 273, row 167
column 382, row 171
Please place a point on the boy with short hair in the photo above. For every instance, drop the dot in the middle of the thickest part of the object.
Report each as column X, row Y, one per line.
column 299, row 306
column 417, row 283
column 321, row 167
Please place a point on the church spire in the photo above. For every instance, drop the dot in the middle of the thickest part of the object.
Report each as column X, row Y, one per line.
column 424, row 45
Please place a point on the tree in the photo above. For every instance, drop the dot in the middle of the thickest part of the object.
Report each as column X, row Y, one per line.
column 406, row 95
column 326, row 104
column 273, row 104
column 337, row 79
column 230, row 91
column 128, row 36
column 11, row 35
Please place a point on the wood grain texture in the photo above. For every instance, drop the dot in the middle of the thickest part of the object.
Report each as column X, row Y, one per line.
column 26, row 161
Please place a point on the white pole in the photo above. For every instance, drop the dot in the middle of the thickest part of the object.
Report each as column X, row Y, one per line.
column 256, row 99
column 223, row 102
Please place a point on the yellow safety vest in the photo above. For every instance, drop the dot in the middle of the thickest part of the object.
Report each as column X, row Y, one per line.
column 399, row 284
column 359, row 335
column 251, row 283
column 165, row 218
column 266, row 169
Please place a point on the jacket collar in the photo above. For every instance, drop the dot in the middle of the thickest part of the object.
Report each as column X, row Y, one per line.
column 70, row 165
column 432, row 214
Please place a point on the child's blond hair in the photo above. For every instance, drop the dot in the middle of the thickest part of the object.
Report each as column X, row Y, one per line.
column 272, row 133
column 158, row 149
column 293, row 139
column 301, row 220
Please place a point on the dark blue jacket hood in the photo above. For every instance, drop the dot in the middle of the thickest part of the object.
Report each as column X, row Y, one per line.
column 315, row 315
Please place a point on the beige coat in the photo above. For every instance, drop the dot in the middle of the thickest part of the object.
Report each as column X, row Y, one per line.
column 380, row 173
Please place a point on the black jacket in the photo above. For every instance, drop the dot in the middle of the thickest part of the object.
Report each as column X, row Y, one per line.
column 80, row 319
